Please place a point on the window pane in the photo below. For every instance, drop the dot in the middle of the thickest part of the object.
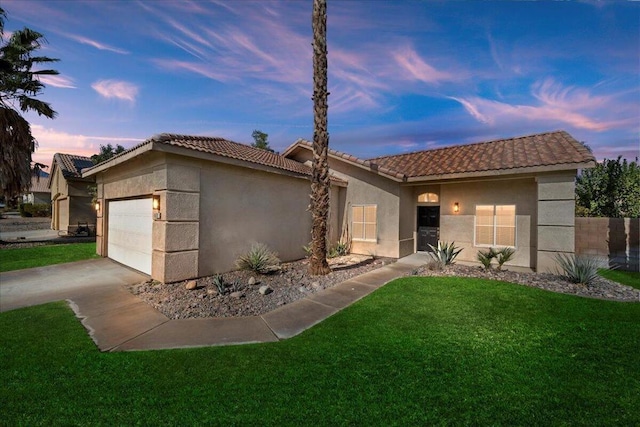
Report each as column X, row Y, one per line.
column 370, row 214
column 484, row 215
column 428, row 197
column 506, row 215
column 370, row 232
column 358, row 214
column 358, row 230
column 505, row 236
column 484, row 235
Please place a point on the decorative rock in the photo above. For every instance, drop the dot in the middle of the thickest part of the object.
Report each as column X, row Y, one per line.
column 316, row 285
column 191, row 285
column 212, row 291
column 265, row 290
column 303, row 289
column 252, row 281
column 237, row 295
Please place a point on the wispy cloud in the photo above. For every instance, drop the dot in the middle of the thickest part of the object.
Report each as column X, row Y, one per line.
column 414, row 67
column 96, row 44
column 51, row 141
column 58, row 81
column 116, row 89
column 572, row 106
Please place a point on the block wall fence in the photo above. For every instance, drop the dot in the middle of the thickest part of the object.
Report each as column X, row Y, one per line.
column 616, row 239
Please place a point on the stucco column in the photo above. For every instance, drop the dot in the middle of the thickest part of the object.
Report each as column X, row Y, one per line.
column 176, row 231
column 556, row 219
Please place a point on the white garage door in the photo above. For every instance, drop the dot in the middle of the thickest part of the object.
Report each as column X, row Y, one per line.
column 129, row 233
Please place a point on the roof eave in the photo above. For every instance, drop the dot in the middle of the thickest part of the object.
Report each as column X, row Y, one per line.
column 504, row 172
column 117, row 160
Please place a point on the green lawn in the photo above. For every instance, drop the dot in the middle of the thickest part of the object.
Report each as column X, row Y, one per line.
column 628, row 278
column 419, row 351
column 39, row 256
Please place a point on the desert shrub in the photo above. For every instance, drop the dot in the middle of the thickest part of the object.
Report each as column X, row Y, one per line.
column 504, row 255
column 445, row 253
column 218, row 282
column 435, row 265
column 307, row 250
column 38, row 209
column 486, row 257
column 340, row 249
column 260, row 259
column 578, row 269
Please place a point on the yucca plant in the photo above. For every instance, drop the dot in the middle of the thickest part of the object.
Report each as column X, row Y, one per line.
column 504, row 255
column 578, row 269
column 445, row 253
column 260, row 259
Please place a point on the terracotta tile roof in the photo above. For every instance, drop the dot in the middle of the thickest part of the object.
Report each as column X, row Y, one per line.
column 353, row 159
column 40, row 184
column 545, row 149
column 229, row 149
column 71, row 165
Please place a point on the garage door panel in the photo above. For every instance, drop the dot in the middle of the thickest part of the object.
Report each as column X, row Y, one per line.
column 130, row 233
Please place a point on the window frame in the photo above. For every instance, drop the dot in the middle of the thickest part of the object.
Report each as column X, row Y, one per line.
column 364, row 223
column 495, row 226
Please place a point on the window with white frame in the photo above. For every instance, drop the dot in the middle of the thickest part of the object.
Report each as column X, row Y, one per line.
column 495, row 225
column 364, row 222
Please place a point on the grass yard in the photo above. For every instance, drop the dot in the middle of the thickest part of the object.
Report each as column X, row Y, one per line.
column 39, row 256
column 628, row 278
column 419, row 351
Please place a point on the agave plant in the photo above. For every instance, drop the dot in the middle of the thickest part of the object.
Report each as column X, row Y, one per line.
column 445, row 253
column 486, row 257
column 578, row 269
column 260, row 259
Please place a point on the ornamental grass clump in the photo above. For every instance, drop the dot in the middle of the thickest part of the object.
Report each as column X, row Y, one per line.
column 578, row 269
column 445, row 253
column 260, row 259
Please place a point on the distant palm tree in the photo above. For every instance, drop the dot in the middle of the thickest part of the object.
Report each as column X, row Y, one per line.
column 19, row 85
column 320, row 167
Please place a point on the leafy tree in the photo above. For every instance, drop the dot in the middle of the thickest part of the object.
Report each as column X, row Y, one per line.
column 106, row 152
column 611, row 189
column 320, row 167
column 260, row 140
column 19, row 87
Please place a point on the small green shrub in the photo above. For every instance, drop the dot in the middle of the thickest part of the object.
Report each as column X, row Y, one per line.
column 504, row 255
column 445, row 253
column 218, row 282
column 578, row 269
column 39, row 209
column 485, row 258
column 260, row 259
column 307, row 250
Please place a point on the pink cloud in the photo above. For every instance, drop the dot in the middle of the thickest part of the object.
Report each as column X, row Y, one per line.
column 58, row 81
column 96, row 44
column 413, row 67
column 117, row 89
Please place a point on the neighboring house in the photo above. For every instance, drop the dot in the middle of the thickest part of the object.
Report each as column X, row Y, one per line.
column 39, row 192
column 216, row 197
column 70, row 198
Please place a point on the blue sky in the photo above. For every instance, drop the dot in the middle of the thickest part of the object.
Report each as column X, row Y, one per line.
column 403, row 75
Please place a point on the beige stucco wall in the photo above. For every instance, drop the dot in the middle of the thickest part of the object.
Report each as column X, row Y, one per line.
column 369, row 188
column 459, row 227
column 72, row 202
column 241, row 206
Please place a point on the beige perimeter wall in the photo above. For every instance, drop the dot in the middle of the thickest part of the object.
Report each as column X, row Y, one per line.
column 615, row 240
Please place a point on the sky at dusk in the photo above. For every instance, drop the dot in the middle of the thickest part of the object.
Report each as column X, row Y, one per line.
column 403, row 75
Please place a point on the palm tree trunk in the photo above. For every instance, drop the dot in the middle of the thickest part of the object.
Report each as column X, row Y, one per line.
column 320, row 167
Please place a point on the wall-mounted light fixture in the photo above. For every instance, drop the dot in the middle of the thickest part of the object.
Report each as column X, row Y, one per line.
column 456, row 207
column 96, row 205
column 156, row 207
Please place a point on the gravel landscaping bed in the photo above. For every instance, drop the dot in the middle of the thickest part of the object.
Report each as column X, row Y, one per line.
column 247, row 293
column 16, row 223
column 601, row 288
column 250, row 294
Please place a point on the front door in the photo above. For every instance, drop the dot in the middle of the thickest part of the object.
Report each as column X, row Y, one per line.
column 428, row 227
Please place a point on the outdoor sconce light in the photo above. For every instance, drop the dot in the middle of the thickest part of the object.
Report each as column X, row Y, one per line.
column 456, row 207
column 97, row 205
column 156, row 207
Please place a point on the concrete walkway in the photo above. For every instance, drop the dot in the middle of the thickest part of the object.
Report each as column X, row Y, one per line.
column 119, row 321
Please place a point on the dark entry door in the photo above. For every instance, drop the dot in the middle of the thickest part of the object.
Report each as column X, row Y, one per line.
column 428, row 227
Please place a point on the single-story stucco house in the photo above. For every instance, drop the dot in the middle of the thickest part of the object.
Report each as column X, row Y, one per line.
column 70, row 197
column 39, row 192
column 178, row 207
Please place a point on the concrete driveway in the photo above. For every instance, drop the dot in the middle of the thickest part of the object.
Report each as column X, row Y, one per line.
column 34, row 286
